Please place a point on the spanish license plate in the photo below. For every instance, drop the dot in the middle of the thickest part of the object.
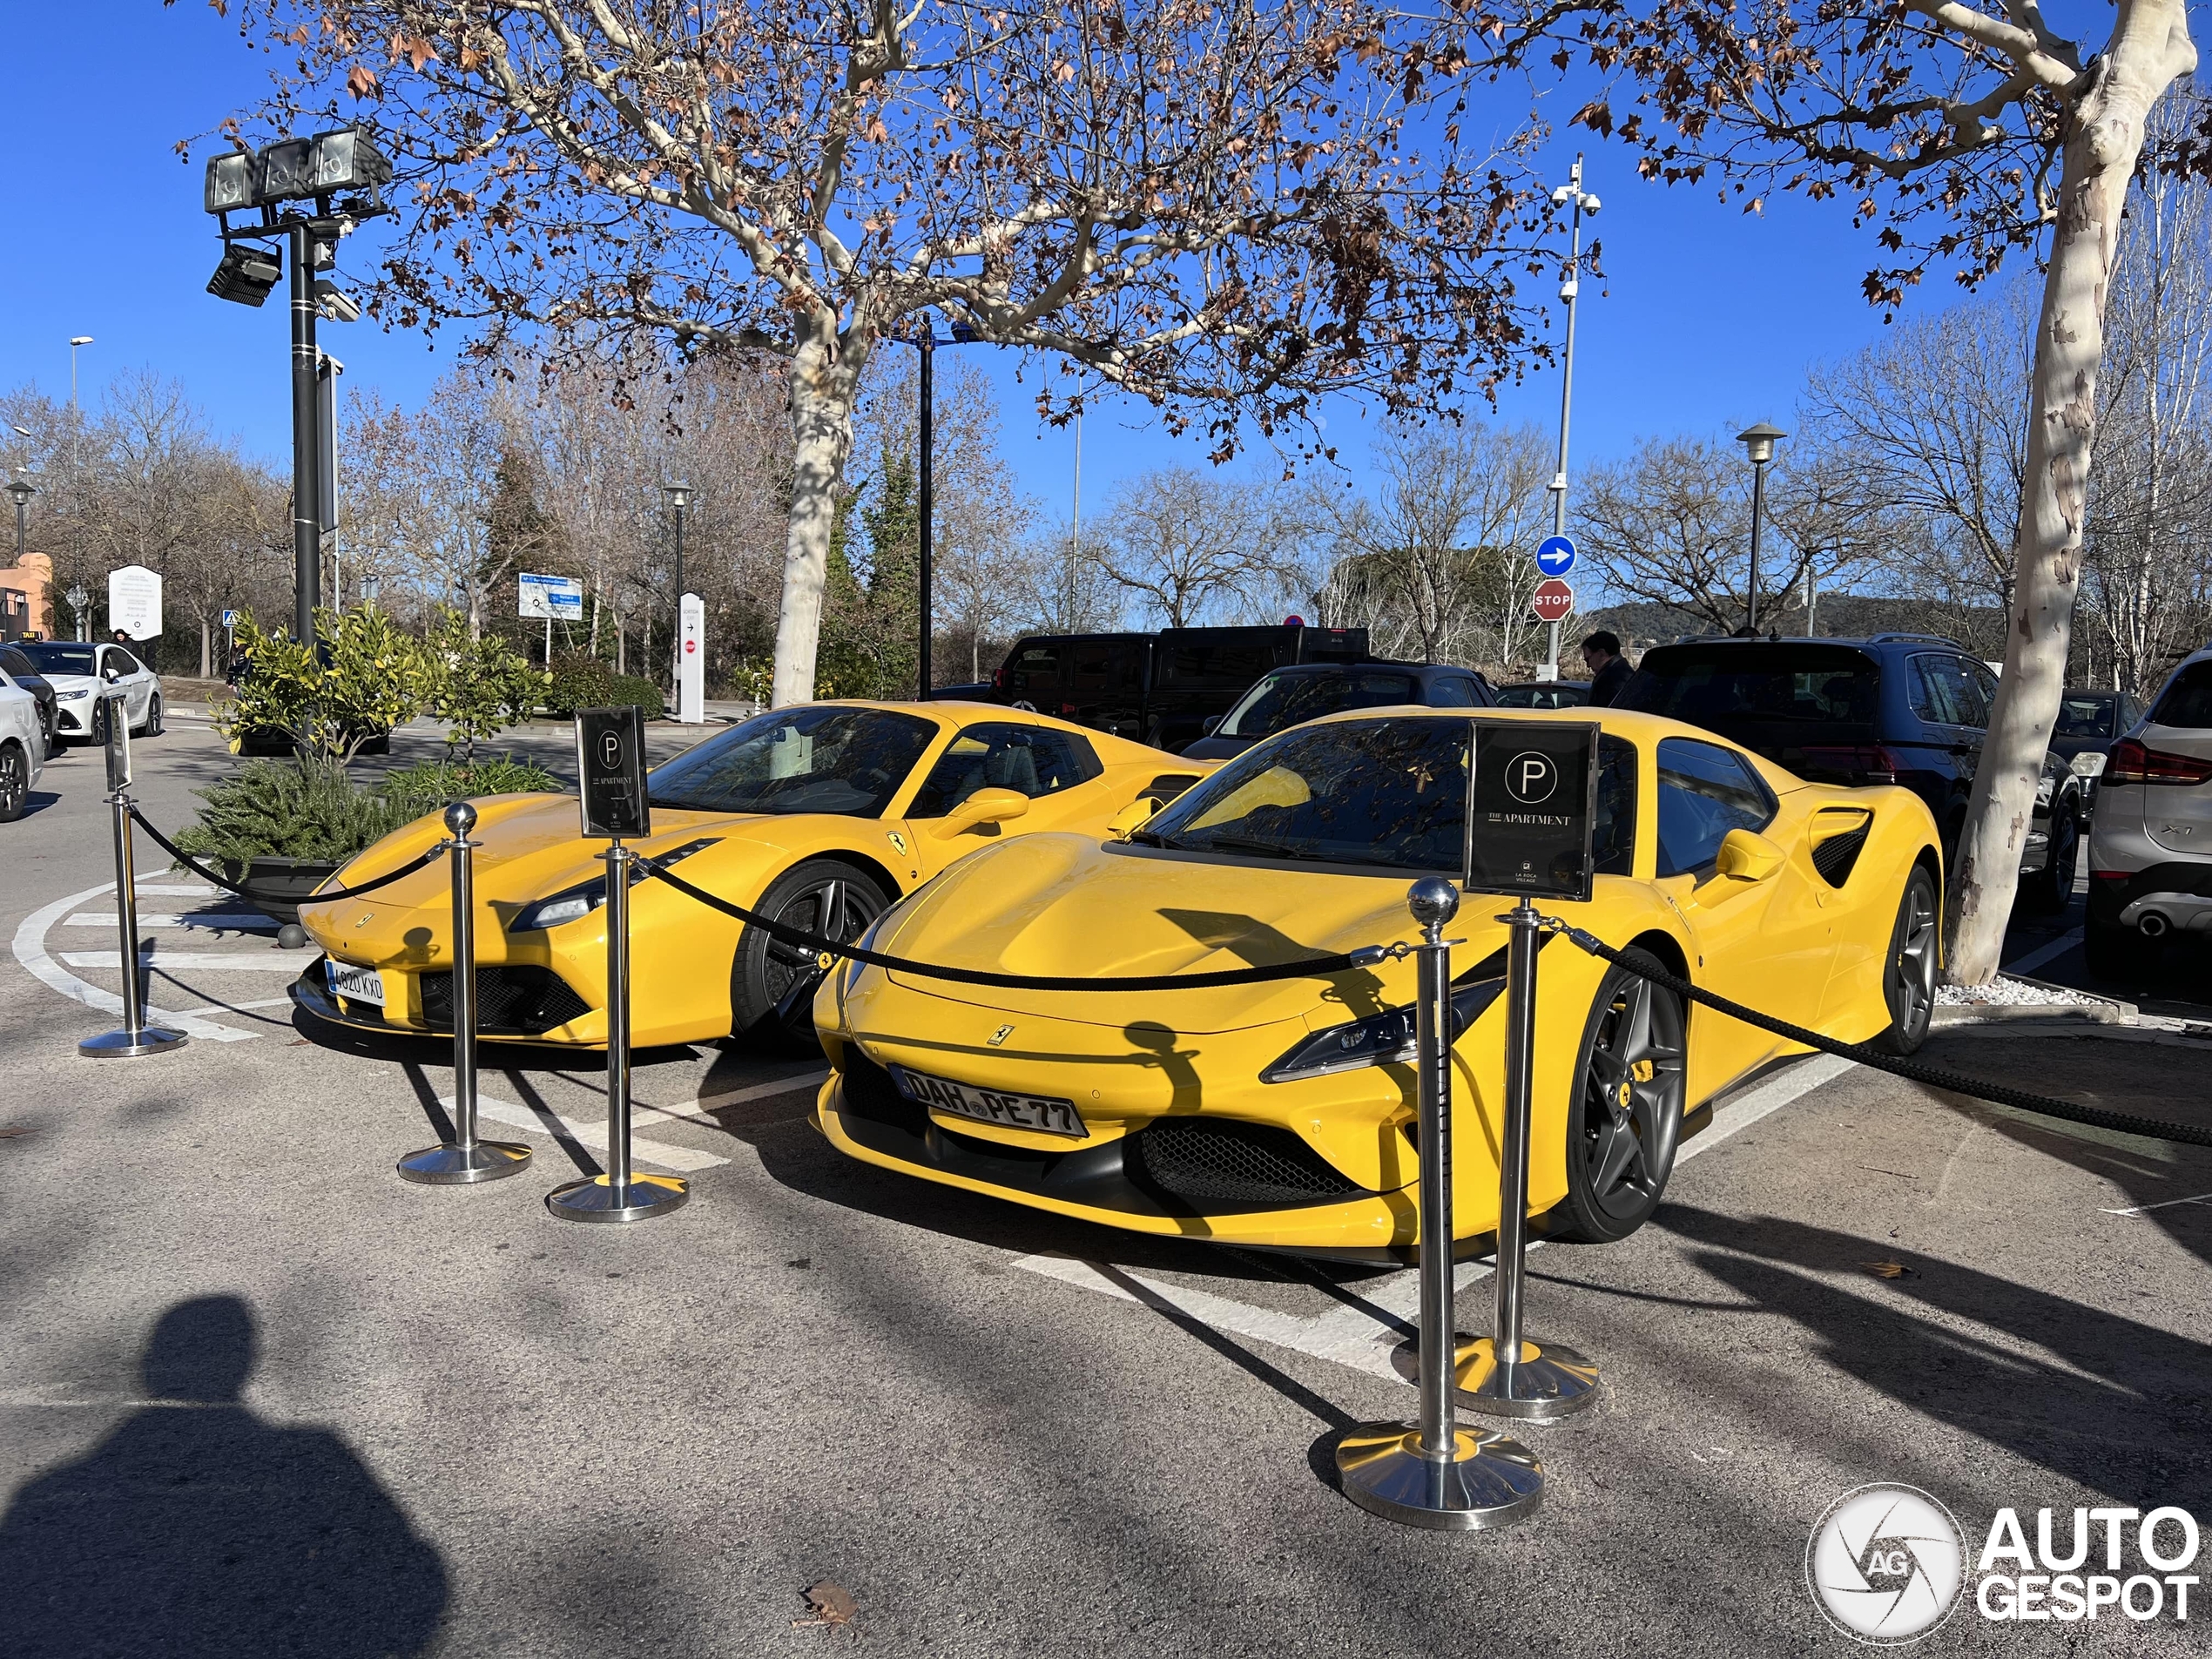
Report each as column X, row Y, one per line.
column 357, row 984
column 992, row 1105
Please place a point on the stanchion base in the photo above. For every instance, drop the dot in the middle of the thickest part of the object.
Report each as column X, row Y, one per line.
column 124, row 1045
column 1549, row 1383
column 597, row 1200
column 1491, row 1482
column 455, row 1166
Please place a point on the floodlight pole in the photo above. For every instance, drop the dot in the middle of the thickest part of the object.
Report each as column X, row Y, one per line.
column 306, row 516
column 927, row 343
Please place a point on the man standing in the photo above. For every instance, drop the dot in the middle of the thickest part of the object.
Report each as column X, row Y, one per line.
column 1610, row 670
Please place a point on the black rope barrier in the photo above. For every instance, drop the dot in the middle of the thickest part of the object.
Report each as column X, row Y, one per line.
column 261, row 896
column 1912, row 1070
column 1311, row 968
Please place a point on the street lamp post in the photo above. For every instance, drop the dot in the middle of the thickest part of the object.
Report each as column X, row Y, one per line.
column 679, row 498
column 294, row 184
column 926, row 343
column 20, row 490
column 1758, row 442
column 1570, row 288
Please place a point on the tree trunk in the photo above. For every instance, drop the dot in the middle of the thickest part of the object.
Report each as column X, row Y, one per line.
column 2150, row 47
column 823, row 384
column 206, row 649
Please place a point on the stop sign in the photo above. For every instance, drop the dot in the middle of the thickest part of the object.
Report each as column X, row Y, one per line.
column 1553, row 600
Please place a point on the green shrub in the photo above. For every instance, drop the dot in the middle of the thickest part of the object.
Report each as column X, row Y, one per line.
column 580, row 681
column 301, row 808
column 628, row 688
column 481, row 685
column 427, row 785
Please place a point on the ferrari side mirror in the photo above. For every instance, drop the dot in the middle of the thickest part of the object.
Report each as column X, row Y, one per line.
column 1131, row 816
column 984, row 806
column 1746, row 856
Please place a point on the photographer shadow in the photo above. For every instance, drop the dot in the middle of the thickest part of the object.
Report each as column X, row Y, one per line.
column 197, row 1528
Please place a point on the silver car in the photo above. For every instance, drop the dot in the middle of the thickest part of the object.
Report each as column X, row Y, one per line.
column 80, row 672
column 2150, row 846
column 23, row 747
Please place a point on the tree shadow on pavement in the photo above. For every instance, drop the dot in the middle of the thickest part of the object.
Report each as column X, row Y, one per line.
column 2113, row 1404
column 197, row 1528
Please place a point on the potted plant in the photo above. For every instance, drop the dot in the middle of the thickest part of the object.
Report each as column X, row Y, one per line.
column 284, row 826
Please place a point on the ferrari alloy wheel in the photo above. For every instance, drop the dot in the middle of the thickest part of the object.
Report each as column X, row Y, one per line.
column 14, row 783
column 1908, row 977
column 773, row 981
column 2051, row 888
column 1625, row 1121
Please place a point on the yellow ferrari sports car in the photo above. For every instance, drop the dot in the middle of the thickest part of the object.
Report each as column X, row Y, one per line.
column 1283, row 1115
column 819, row 814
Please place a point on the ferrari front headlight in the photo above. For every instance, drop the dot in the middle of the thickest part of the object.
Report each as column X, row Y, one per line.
column 1387, row 1039
column 574, row 904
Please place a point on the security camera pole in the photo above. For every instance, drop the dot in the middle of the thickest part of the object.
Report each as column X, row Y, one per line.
column 1570, row 286
column 312, row 173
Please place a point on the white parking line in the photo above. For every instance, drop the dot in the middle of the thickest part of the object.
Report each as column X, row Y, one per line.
column 198, row 961
column 2049, row 952
column 1374, row 1317
column 2164, row 1203
column 681, row 1159
column 702, row 1110
column 29, row 945
column 244, row 921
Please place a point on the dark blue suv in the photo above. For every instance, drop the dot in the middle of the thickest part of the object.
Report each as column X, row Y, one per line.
column 1906, row 709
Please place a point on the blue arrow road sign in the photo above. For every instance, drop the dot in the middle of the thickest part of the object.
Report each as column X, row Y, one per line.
column 1554, row 555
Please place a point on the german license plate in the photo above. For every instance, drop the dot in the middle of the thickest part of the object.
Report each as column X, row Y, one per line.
column 357, row 984
column 991, row 1105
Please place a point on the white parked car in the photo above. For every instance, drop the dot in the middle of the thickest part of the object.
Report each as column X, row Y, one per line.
column 23, row 747
column 80, row 672
column 2150, row 851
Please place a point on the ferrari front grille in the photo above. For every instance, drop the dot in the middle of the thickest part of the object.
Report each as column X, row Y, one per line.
column 1211, row 1160
column 870, row 1093
column 523, row 1000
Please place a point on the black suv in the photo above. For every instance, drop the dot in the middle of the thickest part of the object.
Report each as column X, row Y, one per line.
column 1906, row 709
column 1305, row 692
column 1157, row 688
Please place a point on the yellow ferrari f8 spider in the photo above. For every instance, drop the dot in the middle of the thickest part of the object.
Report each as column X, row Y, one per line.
column 1283, row 1115
column 819, row 815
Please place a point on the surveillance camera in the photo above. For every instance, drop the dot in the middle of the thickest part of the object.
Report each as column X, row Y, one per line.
column 1560, row 195
column 334, row 306
column 1589, row 204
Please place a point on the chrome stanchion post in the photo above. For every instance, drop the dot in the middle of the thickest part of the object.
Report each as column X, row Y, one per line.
column 136, row 1037
column 464, row 1159
column 618, row 1195
column 1432, row 1472
column 1504, row 1374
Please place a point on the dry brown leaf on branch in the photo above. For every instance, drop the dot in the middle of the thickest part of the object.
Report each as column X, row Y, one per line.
column 832, row 1603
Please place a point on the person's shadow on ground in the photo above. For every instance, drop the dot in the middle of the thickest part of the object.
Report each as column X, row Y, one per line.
column 196, row 1529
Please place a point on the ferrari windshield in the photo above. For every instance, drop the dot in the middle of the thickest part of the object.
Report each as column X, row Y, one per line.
column 1281, row 700
column 57, row 657
column 849, row 761
column 1392, row 793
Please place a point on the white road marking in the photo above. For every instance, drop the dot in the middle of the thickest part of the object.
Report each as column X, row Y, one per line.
column 2165, row 1204
column 148, row 890
column 244, row 921
column 2049, row 952
column 1376, row 1315
column 682, row 1160
column 1740, row 1111
column 243, row 1007
column 702, row 1110
column 197, row 961
column 30, row 947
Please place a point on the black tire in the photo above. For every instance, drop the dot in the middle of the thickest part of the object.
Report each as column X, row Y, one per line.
column 1624, row 1122
column 2116, row 953
column 102, row 708
column 50, row 737
column 772, row 983
column 15, row 782
column 2049, row 890
column 1909, row 971
column 152, row 727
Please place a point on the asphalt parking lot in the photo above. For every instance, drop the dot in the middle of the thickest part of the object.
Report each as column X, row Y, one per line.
column 258, row 1396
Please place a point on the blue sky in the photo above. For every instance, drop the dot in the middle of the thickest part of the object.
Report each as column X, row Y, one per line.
column 1706, row 320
